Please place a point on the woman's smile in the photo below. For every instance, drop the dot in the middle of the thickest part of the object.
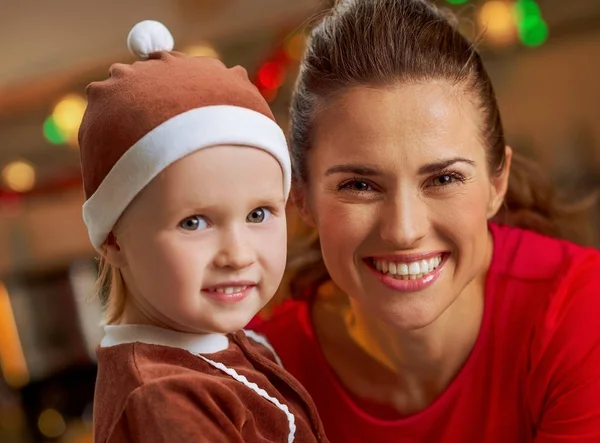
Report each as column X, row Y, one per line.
column 408, row 274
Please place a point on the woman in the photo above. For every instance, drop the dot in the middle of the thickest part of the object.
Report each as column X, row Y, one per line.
column 432, row 322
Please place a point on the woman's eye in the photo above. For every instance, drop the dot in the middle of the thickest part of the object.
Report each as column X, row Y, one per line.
column 450, row 178
column 193, row 223
column 258, row 215
column 356, row 186
column 443, row 180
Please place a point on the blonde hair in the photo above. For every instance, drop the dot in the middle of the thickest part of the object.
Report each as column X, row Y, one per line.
column 110, row 289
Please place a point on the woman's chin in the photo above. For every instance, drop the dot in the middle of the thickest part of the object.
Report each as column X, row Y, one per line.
column 403, row 311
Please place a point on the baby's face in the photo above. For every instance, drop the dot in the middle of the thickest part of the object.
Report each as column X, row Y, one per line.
column 204, row 244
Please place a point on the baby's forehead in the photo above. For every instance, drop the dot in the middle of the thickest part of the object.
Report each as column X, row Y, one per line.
column 221, row 180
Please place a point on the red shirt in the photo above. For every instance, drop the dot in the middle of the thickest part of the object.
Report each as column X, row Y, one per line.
column 532, row 376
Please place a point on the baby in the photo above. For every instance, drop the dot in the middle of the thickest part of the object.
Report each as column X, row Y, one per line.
column 186, row 176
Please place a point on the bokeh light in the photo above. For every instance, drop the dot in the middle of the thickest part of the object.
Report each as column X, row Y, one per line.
column 63, row 125
column 68, row 113
column 53, row 133
column 201, row 50
column 533, row 30
column 271, row 75
column 19, row 176
column 294, row 46
column 51, row 423
column 497, row 19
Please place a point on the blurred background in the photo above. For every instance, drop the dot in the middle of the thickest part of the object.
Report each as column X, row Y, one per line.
column 543, row 56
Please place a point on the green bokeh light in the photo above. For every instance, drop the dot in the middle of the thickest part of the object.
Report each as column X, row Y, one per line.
column 52, row 132
column 533, row 30
column 457, row 2
column 534, row 34
column 528, row 8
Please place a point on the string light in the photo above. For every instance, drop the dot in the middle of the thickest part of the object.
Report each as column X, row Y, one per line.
column 52, row 132
column 271, row 75
column 62, row 126
column 294, row 46
column 51, row 423
column 19, row 176
column 68, row 113
column 497, row 19
column 533, row 30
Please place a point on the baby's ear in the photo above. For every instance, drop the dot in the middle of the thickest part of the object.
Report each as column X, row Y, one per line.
column 112, row 253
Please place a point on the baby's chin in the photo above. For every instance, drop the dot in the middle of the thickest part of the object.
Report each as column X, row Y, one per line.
column 223, row 323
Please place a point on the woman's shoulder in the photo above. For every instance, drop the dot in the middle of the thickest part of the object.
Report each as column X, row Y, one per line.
column 553, row 287
column 528, row 255
column 556, row 282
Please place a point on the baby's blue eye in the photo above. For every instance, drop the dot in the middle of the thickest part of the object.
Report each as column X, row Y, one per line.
column 193, row 223
column 258, row 215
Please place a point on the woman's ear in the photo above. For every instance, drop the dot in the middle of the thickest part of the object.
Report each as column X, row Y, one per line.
column 112, row 253
column 300, row 200
column 500, row 184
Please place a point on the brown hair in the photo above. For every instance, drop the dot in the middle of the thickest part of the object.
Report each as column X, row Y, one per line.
column 383, row 43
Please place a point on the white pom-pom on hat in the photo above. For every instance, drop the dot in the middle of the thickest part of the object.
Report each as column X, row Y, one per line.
column 148, row 37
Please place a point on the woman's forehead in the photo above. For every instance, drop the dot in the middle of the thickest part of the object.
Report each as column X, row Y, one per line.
column 411, row 121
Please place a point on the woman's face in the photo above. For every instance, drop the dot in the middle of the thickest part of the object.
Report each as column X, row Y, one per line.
column 400, row 192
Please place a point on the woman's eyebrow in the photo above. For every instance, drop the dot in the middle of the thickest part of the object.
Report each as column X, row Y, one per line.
column 443, row 164
column 357, row 169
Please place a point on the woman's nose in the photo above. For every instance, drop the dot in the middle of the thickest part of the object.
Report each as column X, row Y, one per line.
column 404, row 221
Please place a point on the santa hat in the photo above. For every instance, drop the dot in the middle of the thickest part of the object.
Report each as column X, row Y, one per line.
column 150, row 114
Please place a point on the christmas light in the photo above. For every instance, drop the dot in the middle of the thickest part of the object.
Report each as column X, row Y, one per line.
column 51, row 423
column 533, row 30
column 271, row 75
column 294, row 46
column 53, row 133
column 19, row 176
column 497, row 19
column 67, row 114
column 201, row 50
column 62, row 126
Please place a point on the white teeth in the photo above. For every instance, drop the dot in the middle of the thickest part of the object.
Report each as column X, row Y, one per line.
column 414, row 268
column 408, row 271
column 402, row 269
column 229, row 289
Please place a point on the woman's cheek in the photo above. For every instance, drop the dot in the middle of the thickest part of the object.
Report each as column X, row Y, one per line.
column 346, row 226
